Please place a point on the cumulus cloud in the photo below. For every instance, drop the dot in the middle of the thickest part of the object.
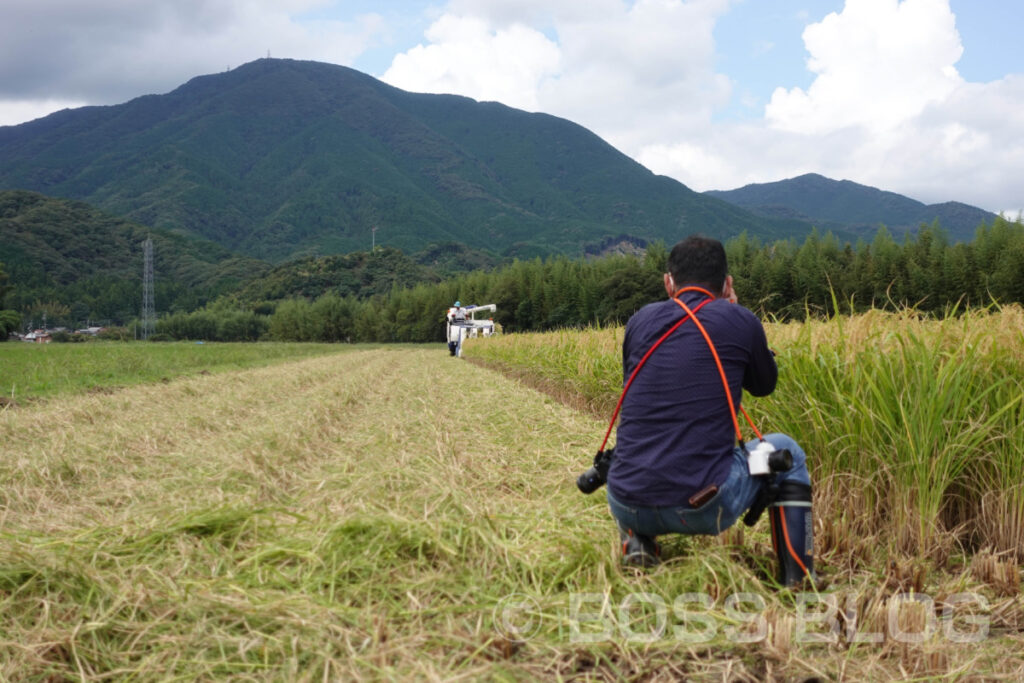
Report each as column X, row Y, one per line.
column 887, row 108
column 467, row 55
column 634, row 72
column 878, row 63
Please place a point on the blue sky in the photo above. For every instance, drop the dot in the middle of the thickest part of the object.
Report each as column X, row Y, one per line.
column 922, row 97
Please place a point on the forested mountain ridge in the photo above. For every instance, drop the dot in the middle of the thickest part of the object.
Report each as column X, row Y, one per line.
column 70, row 254
column 62, row 254
column 844, row 205
column 280, row 159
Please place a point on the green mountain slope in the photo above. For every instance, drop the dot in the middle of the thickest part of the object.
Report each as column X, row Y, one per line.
column 280, row 159
column 846, row 205
column 63, row 251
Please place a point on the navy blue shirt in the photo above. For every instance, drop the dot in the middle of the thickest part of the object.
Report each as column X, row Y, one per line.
column 675, row 433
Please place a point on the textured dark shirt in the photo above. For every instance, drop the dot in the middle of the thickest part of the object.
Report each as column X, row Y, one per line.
column 675, row 433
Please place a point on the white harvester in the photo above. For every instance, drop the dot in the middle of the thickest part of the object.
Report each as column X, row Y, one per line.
column 462, row 324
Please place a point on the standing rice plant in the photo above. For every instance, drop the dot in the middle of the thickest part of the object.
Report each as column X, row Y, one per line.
column 580, row 367
column 908, row 413
column 994, row 487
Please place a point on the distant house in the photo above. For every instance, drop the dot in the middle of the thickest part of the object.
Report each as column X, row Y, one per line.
column 38, row 337
column 93, row 331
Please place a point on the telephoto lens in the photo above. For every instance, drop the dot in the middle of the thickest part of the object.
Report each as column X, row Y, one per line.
column 596, row 476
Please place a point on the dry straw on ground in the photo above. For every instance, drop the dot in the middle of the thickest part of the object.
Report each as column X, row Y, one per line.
column 390, row 513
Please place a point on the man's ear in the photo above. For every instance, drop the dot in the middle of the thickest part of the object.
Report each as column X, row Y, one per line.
column 670, row 285
column 727, row 291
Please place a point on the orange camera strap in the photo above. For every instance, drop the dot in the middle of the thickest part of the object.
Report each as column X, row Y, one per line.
column 689, row 314
column 721, row 370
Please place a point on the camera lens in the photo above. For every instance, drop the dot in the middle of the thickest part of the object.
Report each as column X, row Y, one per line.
column 590, row 481
column 780, row 461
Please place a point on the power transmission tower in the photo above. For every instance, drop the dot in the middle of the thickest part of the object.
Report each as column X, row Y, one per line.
column 148, row 307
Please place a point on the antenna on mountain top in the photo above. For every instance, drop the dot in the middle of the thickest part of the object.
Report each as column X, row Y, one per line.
column 268, row 54
column 148, row 307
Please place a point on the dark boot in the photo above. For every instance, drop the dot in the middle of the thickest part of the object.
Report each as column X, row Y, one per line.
column 793, row 533
column 638, row 550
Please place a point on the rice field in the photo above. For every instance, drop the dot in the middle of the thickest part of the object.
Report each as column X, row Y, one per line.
column 920, row 422
column 395, row 513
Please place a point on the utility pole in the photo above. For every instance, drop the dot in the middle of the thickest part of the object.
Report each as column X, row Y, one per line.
column 148, row 306
column 374, row 242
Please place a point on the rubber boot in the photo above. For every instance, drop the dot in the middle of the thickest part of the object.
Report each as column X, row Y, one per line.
column 638, row 550
column 793, row 533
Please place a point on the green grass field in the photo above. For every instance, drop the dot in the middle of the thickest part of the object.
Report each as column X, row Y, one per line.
column 29, row 371
column 395, row 513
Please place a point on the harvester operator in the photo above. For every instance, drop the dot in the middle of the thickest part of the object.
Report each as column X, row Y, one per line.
column 457, row 313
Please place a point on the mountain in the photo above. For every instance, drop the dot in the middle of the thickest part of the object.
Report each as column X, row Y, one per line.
column 849, row 206
column 57, row 250
column 281, row 159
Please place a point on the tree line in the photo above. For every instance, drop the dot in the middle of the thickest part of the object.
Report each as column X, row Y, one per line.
column 9, row 318
column 786, row 280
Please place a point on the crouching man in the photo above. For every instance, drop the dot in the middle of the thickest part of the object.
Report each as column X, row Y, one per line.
column 677, row 465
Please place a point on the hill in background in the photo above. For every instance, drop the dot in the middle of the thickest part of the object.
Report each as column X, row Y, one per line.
column 63, row 251
column 843, row 205
column 363, row 273
column 280, row 159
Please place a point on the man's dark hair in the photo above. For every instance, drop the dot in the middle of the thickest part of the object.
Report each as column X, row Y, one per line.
column 699, row 260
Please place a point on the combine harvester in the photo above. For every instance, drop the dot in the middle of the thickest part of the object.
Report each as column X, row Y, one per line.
column 462, row 324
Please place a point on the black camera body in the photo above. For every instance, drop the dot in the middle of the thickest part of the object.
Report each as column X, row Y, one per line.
column 596, row 476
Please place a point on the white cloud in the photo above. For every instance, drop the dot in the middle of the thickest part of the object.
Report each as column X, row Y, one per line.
column 635, row 72
column 878, row 63
column 887, row 109
column 968, row 148
column 469, row 57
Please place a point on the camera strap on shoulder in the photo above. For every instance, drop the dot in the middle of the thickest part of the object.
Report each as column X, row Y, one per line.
column 688, row 315
column 721, row 370
column 640, row 364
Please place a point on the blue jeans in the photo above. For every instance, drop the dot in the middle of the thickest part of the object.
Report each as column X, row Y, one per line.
column 735, row 495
